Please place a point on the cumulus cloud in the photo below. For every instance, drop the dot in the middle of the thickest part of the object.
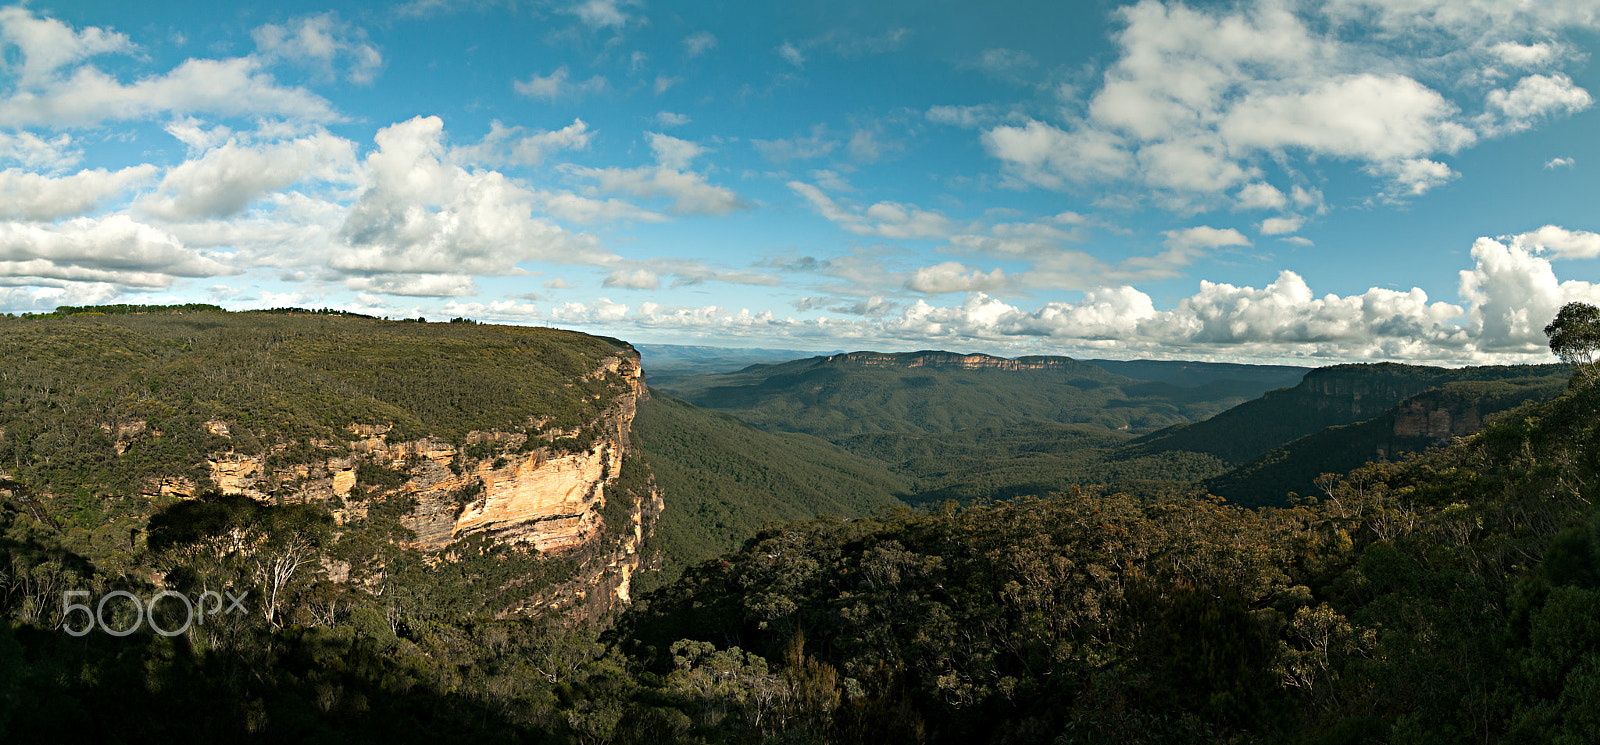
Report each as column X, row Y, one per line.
column 1512, row 295
column 319, row 42
column 414, row 285
column 1412, row 177
column 29, row 150
column 1281, row 225
column 24, row 299
column 967, row 117
column 817, row 145
column 884, row 219
column 30, row 196
column 520, row 146
column 1044, row 155
column 952, row 276
column 583, row 210
column 418, row 214
column 232, row 87
column 633, row 279
column 672, row 152
column 669, row 119
column 1533, row 98
column 557, row 84
column 600, row 13
column 115, row 249
column 689, row 192
column 698, row 43
column 1560, row 243
column 1559, row 163
column 791, row 54
column 1201, row 99
column 1260, row 195
column 227, row 179
column 1524, row 55
column 46, row 44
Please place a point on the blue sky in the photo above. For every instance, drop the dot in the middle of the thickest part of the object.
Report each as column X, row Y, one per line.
column 1310, row 181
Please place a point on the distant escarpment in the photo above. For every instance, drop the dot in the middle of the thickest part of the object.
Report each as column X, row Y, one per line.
column 843, row 395
column 951, row 360
column 449, row 431
column 1335, row 396
column 1432, row 418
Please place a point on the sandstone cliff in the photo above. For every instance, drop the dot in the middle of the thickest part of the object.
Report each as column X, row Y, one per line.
column 547, row 489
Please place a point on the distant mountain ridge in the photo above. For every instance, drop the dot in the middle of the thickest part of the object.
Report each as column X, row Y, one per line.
column 937, row 359
column 1326, row 397
column 1432, row 418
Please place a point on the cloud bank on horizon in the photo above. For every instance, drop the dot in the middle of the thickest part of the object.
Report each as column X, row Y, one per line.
column 1168, row 179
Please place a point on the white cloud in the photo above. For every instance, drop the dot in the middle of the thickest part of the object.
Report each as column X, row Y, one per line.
column 968, row 117
column 1512, row 294
column 233, row 87
column 23, row 299
column 522, row 147
column 29, row 150
column 1281, row 225
column 1260, row 195
column 30, row 196
column 883, row 219
column 698, row 43
column 1524, row 55
column 1043, row 155
column 633, row 279
column 46, row 44
column 1535, row 97
column 689, row 192
column 1560, row 242
column 1201, row 238
column 318, row 42
column 585, row 211
column 1411, row 178
column 114, row 249
column 418, row 214
column 557, row 84
column 227, row 179
column 669, row 119
column 791, row 54
column 600, row 310
column 1364, row 116
column 955, row 277
column 600, row 13
column 414, row 285
column 1005, row 62
column 672, row 152
column 1202, row 98
column 1559, row 163
column 797, row 148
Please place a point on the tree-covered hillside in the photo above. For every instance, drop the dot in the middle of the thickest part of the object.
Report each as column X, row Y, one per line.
column 725, row 479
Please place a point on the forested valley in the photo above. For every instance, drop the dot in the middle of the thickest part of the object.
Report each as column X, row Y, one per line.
column 878, row 553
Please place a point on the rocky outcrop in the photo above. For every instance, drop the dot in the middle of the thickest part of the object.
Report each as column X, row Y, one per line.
column 1419, row 417
column 544, row 488
column 950, row 360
